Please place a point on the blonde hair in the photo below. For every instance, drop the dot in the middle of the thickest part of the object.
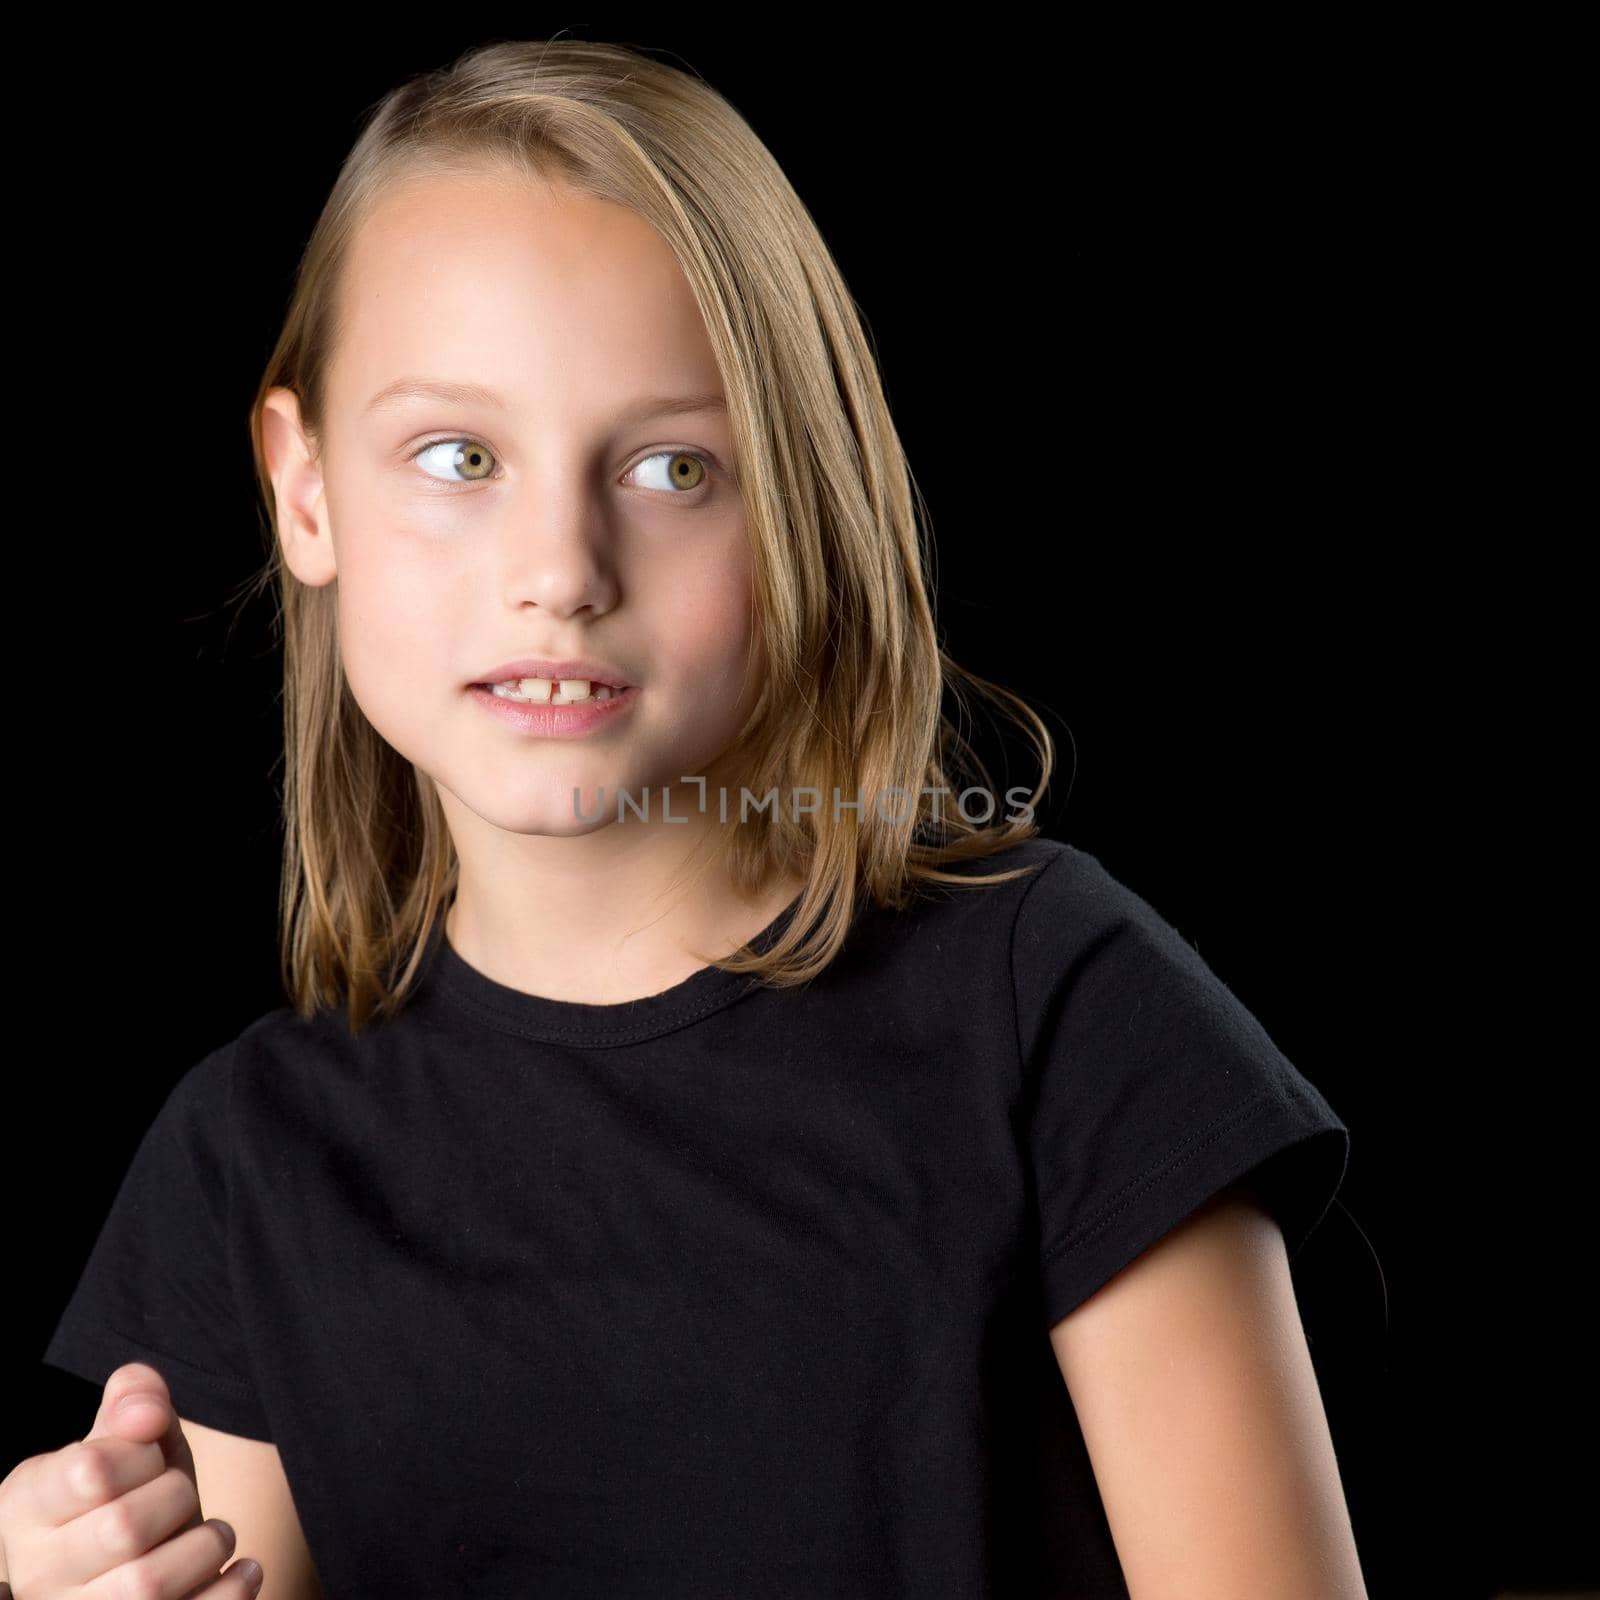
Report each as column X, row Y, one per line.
column 854, row 671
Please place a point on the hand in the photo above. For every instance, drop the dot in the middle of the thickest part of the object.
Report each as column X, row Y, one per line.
column 122, row 1500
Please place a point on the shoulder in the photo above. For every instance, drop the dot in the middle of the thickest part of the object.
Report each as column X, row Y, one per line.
column 1090, row 953
column 262, row 1104
column 1024, row 908
column 274, row 1061
column 1076, row 883
column 945, row 931
column 1057, row 887
column 1077, row 912
column 1018, row 869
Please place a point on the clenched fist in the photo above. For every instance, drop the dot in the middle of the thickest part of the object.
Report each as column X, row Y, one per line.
column 118, row 1511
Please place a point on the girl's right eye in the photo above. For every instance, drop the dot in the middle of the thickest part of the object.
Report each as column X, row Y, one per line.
column 474, row 460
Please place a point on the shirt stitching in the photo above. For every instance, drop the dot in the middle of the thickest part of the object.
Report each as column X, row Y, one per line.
column 637, row 1034
column 1016, row 925
column 1178, row 1156
column 242, row 1390
column 228, row 1165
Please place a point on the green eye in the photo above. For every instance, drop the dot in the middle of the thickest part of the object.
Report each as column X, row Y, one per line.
column 472, row 460
column 685, row 470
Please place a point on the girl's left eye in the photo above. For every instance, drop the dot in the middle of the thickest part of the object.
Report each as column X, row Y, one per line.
column 685, row 471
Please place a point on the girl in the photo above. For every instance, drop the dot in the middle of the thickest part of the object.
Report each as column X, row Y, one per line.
column 717, row 1145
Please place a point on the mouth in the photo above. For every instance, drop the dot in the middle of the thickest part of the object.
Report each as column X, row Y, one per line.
column 554, row 691
column 560, row 715
column 562, row 673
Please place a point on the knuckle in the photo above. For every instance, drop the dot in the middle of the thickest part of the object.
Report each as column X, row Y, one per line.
column 117, row 1531
column 88, row 1471
column 137, row 1581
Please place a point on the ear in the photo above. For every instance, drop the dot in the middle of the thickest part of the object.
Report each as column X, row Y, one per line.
column 302, row 506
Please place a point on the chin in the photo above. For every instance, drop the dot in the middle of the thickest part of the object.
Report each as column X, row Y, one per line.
column 552, row 816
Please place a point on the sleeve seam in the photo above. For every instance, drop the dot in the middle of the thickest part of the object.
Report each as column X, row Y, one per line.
column 229, row 1385
column 1011, row 959
column 228, row 1169
column 221, row 1379
column 1178, row 1156
column 229, row 1234
column 187, row 1091
column 225, row 1238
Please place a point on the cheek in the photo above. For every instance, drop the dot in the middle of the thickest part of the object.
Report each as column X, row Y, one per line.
column 389, row 596
column 385, row 610
column 710, row 627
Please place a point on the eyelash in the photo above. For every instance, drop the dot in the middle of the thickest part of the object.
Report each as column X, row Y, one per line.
column 691, row 498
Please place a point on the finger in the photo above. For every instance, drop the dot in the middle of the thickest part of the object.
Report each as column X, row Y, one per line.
column 137, row 1405
column 178, row 1566
column 85, row 1474
column 239, row 1582
column 113, row 1535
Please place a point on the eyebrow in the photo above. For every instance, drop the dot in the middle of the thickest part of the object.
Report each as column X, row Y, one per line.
column 468, row 394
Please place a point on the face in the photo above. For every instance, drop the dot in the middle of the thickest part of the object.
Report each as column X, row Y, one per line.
column 560, row 510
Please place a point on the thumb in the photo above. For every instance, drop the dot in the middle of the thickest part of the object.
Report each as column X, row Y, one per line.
column 136, row 1405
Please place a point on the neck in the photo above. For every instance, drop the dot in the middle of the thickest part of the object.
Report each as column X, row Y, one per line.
column 625, row 911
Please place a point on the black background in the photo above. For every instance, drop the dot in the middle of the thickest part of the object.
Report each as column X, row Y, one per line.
column 1233, row 367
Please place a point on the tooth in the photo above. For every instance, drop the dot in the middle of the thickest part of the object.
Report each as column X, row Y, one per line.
column 560, row 692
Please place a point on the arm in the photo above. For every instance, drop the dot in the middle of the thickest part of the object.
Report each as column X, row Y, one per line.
column 1199, row 1406
column 242, row 1481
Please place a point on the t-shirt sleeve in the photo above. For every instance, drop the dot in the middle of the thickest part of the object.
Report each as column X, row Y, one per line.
column 1151, row 1087
column 158, row 1283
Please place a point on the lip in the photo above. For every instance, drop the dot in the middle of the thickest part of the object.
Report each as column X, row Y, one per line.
column 549, row 667
column 549, row 719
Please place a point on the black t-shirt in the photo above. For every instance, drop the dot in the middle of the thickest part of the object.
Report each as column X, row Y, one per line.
column 726, row 1291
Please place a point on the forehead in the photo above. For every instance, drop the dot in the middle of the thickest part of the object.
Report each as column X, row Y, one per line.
column 546, row 295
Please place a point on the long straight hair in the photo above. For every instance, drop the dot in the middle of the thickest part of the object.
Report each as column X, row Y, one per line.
column 854, row 674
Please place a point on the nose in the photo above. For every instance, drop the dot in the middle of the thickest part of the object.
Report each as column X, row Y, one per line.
column 559, row 560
